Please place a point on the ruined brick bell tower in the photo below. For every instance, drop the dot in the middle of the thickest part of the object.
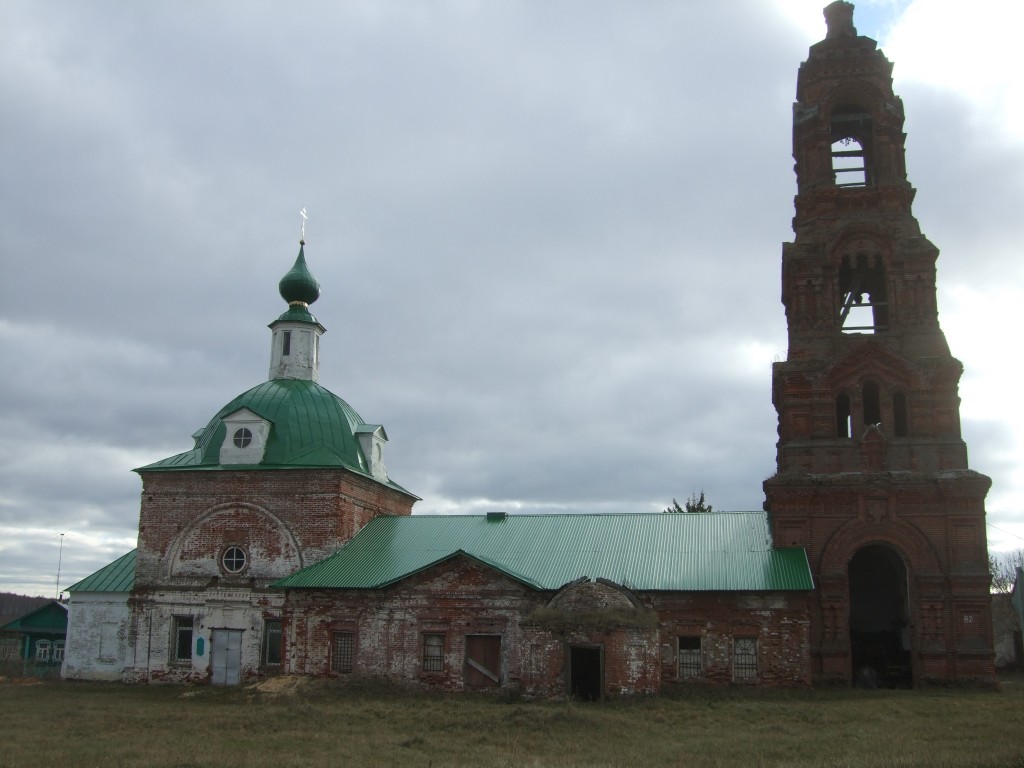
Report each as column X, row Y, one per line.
column 872, row 474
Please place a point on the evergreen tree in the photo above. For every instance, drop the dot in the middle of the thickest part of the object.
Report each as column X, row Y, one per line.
column 693, row 504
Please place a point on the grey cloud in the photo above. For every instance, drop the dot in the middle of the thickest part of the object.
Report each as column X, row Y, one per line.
column 544, row 232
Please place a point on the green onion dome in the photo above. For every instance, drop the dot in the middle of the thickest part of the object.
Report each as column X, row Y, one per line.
column 299, row 286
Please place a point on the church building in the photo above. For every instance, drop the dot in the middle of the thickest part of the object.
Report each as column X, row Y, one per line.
column 279, row 544
column 280, row 478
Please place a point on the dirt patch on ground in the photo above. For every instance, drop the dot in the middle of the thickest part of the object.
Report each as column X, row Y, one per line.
column 282, row 685
column 21, row 680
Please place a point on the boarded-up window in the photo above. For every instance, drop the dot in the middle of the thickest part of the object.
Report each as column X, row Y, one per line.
column 744, row 658
column 343, row 652
column 872, row 404
column 899, row 414
column 689, row 658
column 108, row 641
column 433, row 653
column 483, row 661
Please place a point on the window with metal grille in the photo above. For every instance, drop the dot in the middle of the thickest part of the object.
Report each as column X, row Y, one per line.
column 344, row 651
column 744, row 658
column 182, row 638
column 689, row 657
column 433, row 653
column 272, row 642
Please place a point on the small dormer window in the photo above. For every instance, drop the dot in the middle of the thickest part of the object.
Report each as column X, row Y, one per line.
column 371, row 439
column 245, row 438
column 242, row 438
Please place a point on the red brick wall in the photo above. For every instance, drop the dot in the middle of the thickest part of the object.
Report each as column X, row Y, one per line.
column 894, row 473
column 283, row 519
column 462, row 597
column 300, row 515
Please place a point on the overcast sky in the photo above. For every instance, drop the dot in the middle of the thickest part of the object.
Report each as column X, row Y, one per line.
column 548, row 234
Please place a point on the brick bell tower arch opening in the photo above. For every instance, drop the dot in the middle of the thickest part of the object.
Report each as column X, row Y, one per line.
column 880, row 636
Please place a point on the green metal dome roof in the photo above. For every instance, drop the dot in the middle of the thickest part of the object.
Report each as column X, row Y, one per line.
column 299, row 285
column 310, row 427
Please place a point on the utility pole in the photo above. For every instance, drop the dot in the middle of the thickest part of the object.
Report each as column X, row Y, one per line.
column 60, row 557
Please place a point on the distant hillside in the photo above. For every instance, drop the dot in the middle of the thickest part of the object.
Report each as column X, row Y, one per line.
column 12, row 606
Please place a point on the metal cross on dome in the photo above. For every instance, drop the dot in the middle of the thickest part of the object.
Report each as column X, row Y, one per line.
column 302, row 228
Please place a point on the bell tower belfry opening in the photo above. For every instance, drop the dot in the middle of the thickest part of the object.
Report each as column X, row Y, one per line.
column 872, row 475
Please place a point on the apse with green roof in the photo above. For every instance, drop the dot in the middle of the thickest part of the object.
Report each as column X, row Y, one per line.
column 289, row 421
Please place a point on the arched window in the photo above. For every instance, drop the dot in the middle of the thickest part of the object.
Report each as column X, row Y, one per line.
column 843, row 426
column 863, row 292
column 899, row 414
column 872, row 404
column 851, row 147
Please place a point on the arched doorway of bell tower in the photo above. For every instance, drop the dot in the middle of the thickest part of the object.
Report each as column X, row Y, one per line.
column 880, row 636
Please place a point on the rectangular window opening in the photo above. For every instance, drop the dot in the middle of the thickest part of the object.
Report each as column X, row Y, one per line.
column 182, row 638
column 433, row 652
column 744, row 658
column 690, row 666
column 286, row 343
column 343, row 652
column 272, row 642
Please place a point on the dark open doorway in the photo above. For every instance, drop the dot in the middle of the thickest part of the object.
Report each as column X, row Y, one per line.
column 879, row 619
column 585, row 672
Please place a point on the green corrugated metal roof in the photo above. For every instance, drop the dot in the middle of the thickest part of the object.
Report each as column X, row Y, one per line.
column 729, row 551
column 118, row 576
column 310, row 427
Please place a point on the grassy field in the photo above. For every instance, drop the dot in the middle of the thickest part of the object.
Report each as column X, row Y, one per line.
column 357, row 722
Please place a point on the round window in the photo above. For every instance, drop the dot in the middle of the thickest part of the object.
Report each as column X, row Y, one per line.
column 242, row 438
column 233, row 559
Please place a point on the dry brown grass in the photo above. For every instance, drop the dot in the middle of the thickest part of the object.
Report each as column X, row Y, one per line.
column 357, row 722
